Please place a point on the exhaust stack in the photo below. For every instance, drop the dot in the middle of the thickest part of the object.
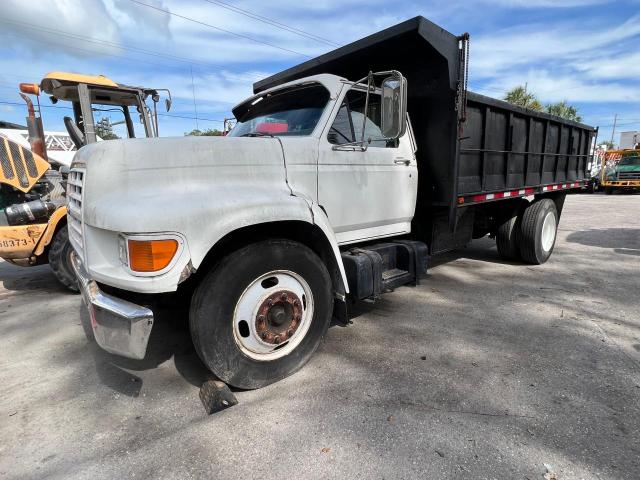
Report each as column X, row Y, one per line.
column 34, row 123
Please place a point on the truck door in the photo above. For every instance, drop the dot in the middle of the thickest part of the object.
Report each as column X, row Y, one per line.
column 366, row 194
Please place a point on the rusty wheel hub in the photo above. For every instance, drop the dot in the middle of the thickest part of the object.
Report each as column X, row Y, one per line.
column 273, row 315
column 278, row 317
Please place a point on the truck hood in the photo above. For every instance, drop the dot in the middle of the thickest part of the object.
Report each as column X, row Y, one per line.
column 123, row 179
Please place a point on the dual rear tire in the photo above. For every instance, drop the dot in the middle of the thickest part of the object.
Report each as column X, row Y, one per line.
column 529, row 234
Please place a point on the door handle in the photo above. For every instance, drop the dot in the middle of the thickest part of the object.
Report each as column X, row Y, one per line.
column 402, row 161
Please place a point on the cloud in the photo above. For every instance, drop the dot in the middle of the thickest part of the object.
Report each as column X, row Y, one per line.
column 78, row 28
column 612, row 67
column 552, row 86
column 561, row 61
column 537, row 43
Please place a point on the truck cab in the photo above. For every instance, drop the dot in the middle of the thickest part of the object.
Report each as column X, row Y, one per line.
column 621, row 171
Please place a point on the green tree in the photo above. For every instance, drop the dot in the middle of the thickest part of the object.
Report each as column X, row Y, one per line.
column 210, row 132
column 104, row 129
column 564, row 110
column 607, row 143
column 520, row 97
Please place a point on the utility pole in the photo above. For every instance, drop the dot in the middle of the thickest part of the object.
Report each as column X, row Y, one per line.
column 615, row 121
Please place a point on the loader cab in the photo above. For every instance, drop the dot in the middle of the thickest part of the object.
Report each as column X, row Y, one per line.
column 103, row 109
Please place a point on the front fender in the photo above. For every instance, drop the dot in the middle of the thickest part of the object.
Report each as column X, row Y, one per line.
column 322, row 221
column 51, row 229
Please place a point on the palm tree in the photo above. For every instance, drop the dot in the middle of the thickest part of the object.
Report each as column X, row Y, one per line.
column 564, row 110
column 520, row 97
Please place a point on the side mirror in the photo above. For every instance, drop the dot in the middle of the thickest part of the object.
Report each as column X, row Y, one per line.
column 394, row 106
column 167, row 103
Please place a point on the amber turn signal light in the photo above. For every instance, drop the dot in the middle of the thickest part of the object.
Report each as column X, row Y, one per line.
column 151, row 255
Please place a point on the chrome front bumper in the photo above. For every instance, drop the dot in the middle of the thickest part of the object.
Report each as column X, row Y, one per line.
column 119, row 326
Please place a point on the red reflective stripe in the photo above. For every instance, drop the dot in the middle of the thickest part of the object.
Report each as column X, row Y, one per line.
column 515, row 193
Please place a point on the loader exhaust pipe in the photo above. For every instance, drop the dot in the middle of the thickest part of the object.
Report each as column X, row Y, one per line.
column 34, row 123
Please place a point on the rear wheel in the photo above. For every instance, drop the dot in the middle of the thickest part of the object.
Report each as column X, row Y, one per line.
column 538, row 231
column 60, row 259
column 507, row 236
column 260, row 314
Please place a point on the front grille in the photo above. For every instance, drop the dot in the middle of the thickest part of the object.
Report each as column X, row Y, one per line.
column 18, row 165
column 5, row 161
column 629, row 176
column 75, row 182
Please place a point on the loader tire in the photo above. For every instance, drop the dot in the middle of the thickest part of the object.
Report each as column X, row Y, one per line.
column 60, row 259
column 260, row 314
column 538, row 231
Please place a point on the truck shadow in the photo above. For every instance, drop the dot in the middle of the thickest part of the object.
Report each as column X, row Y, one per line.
column 483, row 249
column 170, row 339
column 30, row 279
column 625, row 241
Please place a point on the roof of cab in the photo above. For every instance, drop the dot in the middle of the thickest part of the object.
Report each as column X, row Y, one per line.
column 100, row 80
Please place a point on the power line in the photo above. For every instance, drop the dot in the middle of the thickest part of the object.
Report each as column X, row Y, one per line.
column 239, row 35
column 275, row 23
column 204, row 119
column 42, row 106
column 109, row 43
column 190, row 118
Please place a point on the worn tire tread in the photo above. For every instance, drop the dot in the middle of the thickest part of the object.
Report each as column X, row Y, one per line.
column 58, row 259
column 225, row 359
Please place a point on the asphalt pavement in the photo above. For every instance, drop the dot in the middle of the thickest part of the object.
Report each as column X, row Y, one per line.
column 488, row 369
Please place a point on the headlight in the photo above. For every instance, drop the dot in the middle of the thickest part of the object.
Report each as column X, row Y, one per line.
column 149, row 254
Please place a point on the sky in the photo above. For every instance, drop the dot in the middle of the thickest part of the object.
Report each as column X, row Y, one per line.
column 584, row 51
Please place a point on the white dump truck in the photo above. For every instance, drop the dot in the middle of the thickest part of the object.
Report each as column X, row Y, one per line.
column 340, row 178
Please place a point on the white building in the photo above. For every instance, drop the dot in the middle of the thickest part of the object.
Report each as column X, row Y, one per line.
column 629, row 140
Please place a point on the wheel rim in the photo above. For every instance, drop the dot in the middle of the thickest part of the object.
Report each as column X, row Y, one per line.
column 548, row 231
column 273, row 315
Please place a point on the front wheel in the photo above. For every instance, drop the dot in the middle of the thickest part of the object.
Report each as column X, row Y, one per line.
column 538, row 231
column 260, row 314
column 60, row 259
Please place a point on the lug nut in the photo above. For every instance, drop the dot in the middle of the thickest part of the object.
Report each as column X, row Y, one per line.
column 263, row 335
column 296, row 303
column 276, row 340
column 284, row 297
column 270, row 302
column 290, row 332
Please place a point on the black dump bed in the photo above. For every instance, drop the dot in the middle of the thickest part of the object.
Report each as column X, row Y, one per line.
column 498, row 147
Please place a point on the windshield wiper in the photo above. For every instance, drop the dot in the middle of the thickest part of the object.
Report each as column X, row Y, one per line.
column 256, row 134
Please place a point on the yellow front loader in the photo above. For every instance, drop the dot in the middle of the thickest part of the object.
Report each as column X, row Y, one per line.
column 33, row 212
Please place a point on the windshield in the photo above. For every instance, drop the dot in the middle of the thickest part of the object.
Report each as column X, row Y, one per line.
column 630, row 160
column 289, row 112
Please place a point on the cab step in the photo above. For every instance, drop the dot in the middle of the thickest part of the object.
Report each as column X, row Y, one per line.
column 381, row 267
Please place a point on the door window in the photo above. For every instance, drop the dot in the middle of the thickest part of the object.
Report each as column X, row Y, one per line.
column 347, row 126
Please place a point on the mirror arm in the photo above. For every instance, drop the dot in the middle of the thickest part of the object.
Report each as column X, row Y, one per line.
column 366, row 107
